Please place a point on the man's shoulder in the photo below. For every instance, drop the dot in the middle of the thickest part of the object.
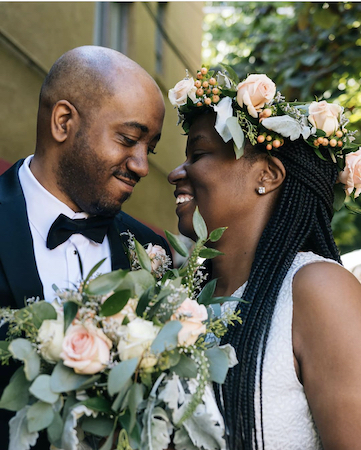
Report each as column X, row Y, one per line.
column 9, row 180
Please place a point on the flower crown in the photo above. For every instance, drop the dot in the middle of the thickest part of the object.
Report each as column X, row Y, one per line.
column 253, row 109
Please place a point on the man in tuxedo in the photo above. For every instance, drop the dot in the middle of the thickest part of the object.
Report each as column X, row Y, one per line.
column 100, row 115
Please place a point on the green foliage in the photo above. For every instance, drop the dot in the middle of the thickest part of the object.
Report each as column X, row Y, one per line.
column 309, row 49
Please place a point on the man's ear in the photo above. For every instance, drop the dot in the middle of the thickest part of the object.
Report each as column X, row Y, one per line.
column 63, row 119
column 272, row 174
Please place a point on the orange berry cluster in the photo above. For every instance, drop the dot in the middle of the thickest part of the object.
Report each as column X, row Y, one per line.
column 334, row 141
column 270, row 141
column 207, row 89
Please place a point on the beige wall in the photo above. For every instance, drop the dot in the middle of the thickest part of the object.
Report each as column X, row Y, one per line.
column 34, row 34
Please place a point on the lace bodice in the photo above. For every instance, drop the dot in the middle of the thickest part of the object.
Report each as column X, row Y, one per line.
column 287, row 420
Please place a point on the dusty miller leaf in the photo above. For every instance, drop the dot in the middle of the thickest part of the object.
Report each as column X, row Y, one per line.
column 20, row 438
column 157, row 428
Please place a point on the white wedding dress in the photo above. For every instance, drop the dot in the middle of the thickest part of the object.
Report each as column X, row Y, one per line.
column 287, row 420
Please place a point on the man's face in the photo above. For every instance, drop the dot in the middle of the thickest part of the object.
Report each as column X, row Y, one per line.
column 109, row 153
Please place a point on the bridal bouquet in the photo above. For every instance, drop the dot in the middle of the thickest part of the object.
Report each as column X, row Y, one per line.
column 125, row 360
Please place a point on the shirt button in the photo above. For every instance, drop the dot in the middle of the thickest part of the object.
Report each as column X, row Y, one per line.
column 75, row 252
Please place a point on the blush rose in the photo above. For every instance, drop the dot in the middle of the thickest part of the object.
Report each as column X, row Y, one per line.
column 254, row 92
column 191, row 315
column 324, row 116
column 86, row 348
column 157, row 255
column 351, row 175
column 183, row 89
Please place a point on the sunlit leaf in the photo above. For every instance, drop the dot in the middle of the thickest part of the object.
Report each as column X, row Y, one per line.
column 177, row 244
column 199, row 225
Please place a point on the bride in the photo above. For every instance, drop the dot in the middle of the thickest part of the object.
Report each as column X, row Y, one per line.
column 298, row 381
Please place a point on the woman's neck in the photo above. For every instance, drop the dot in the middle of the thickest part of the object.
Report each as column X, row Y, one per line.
column 233, row 268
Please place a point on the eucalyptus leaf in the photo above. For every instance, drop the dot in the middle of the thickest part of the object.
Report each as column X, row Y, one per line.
column 136, row 395
column 115, row 303
column 186, row 368
column 137, row 282
column 42, row 391
column 237, row 134
column 199, row 225
column 39, row 311
column 40, row 415
column 70, row 311
column 108, row 444
column 216, row 235
column 120, row 374
column 142, row 255
column 144, row 300
column 23, row 350
column 209, row 253
column 55, row 430
column 64, row 379
column 16, row 394
column 339, row 196
column 167, row 338
column 177, row 244
column 218, row 364
column 120, row 398
column 106, row 283
column 100, row 426
column 231, row 72
column 207, row 292
column 98, row 403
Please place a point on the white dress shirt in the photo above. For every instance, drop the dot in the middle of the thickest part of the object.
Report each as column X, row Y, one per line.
column 59, row 266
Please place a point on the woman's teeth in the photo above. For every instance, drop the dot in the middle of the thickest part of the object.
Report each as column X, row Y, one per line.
column 184, row 198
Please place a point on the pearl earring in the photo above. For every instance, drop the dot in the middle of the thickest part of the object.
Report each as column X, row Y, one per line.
column 261, row 190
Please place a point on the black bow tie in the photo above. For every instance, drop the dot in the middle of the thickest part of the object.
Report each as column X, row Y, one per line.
column 94, row 228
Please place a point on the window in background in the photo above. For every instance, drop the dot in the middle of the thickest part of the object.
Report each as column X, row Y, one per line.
column 112, row 25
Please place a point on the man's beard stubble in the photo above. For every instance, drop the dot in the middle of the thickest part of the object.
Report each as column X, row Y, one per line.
column 81, row 176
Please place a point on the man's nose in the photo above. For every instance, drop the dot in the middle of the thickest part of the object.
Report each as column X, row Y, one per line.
column 138, row 162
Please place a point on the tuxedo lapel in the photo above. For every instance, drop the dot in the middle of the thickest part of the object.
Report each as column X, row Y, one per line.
column 119, row 258
column 16, row 245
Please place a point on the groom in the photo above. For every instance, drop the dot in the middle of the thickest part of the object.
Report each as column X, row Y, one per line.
column 100, row 115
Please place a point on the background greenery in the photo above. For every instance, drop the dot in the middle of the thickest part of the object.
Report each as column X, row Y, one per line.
column 309, row 50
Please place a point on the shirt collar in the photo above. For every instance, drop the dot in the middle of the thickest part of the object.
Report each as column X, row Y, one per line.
column 42, row 207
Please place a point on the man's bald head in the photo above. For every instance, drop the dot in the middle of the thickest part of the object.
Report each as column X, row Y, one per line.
column 86, row 77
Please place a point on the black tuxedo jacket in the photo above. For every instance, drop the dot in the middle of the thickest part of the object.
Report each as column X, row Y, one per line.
column 19, row 277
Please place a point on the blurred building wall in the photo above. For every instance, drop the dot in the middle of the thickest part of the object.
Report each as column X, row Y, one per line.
column 164, row 38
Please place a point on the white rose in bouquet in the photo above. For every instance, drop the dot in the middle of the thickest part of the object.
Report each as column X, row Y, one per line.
column 136, row 339
column 50, row 338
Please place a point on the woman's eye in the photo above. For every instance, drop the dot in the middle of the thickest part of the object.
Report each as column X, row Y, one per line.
column 196, row 156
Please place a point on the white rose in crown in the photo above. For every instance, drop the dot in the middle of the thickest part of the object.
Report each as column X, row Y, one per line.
column 325, row 116
column 254, row 92
column 183, row 89
column 50, row 338
column 157, row 255
column 135, row 341
column 191, row 315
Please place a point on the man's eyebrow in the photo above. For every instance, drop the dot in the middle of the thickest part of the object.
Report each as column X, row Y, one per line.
column 137, row 125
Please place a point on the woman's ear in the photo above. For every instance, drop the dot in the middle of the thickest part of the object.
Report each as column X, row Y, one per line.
column 272, row 175
column 63, row 118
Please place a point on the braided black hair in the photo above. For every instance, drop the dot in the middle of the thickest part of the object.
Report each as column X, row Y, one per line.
column 301, row 221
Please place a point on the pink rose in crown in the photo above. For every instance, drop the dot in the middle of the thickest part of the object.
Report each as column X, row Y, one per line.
column 324, row 116
column 351, row 175
column 86, row 348
column 191, row 315
column 254, row 92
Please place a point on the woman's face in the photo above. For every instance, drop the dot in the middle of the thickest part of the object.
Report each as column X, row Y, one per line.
column 212, row 179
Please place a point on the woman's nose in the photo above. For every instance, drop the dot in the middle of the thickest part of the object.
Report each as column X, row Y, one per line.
column 177, row 174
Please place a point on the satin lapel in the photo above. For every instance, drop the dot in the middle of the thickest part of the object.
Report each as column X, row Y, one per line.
column 119, row 258
column 16, row 245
